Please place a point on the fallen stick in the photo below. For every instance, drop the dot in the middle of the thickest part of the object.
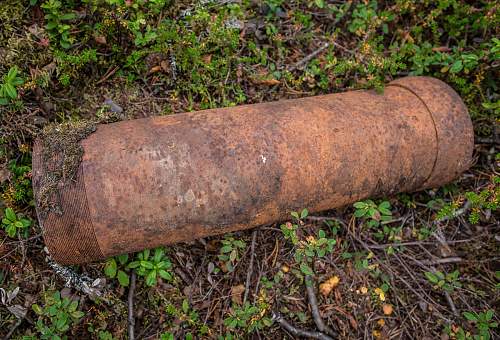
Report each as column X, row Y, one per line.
column 297, row 331
column 250, row 267
column 313, row 302
column 131, row 319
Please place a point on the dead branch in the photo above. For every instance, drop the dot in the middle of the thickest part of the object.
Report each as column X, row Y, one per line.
column 309, row 57
column 296, row 331
column 131, row 319
column 313, row 302
column 250, row 267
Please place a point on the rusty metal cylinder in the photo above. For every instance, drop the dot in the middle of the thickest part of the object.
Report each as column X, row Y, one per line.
column 161, row 180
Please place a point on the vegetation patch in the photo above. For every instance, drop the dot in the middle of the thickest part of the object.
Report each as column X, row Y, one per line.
column 415, row 265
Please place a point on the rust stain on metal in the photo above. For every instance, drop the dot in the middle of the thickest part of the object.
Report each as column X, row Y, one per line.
column 162, row 180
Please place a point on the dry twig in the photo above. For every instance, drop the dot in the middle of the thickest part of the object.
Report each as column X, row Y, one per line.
column 131, row 319
column 296, row 331
column 313, row 302
column 250, row 267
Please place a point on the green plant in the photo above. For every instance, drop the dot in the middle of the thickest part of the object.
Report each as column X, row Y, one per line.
column 361, row 259
column 153, row 266
column 484, row 323
column 56, row 316
column 188, row 318
column 105, row 335
column 115, row 267
column 70, row 64
column 19, row 189
column 57, row 20
column 248, row 317
column 372, row 213
column 365, row 16
column 231, row 251
column 440, row 280
column 313, row 247
column 14, row 224
column 310, row 247
column 8, row 87
column 486, row 199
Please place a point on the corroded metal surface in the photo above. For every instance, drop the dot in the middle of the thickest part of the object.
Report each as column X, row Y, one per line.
column 163, row 180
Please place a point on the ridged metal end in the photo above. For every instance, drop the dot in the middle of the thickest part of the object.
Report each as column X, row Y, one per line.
column 453, row 127
column 70, row 236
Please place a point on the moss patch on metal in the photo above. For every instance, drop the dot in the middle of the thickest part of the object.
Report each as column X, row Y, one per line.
column 61, row 158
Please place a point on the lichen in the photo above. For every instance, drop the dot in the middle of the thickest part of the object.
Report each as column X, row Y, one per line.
column 61, row 155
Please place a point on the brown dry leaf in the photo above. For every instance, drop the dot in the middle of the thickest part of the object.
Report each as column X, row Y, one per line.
column 164, row 66
column 100, row 39
column 441, row 49
column 326, row 287
column 237, row 294
column 207, row 58
column 387, row 308
column 4, row 174
column 212, row 246
column 155, row 69
column 267, row 82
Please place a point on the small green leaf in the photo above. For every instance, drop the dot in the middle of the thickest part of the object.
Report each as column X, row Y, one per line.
column 51, row 25
column 359, row 205
column 77, row 314
column 10, row 90
column 384, row 205
column 61, row 322
column 134, row 264
column 25, row 222
column 165, row 275
column 320, row 3
column 68, row 16
column 122, row 258
column 10, row 214
column 151, row 278
column 185, row 306
column 37, row 309
column 304, row 268
column 457, row 66
column 110, row 268
column 470, row 316
column 64, row 44
column 11, row 230
column 11, row 75
column 147, row 264
column 226, row 249
column 304, row 213
column 431, row 277
column 359, row 213
column 73, row 306
column 123, row 278
column 158, row 255
column 233, row 255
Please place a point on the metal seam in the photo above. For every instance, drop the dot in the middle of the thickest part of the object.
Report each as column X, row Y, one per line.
column 435, row 130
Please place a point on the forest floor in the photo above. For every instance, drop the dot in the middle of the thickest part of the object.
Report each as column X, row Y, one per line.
column 422, row 265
